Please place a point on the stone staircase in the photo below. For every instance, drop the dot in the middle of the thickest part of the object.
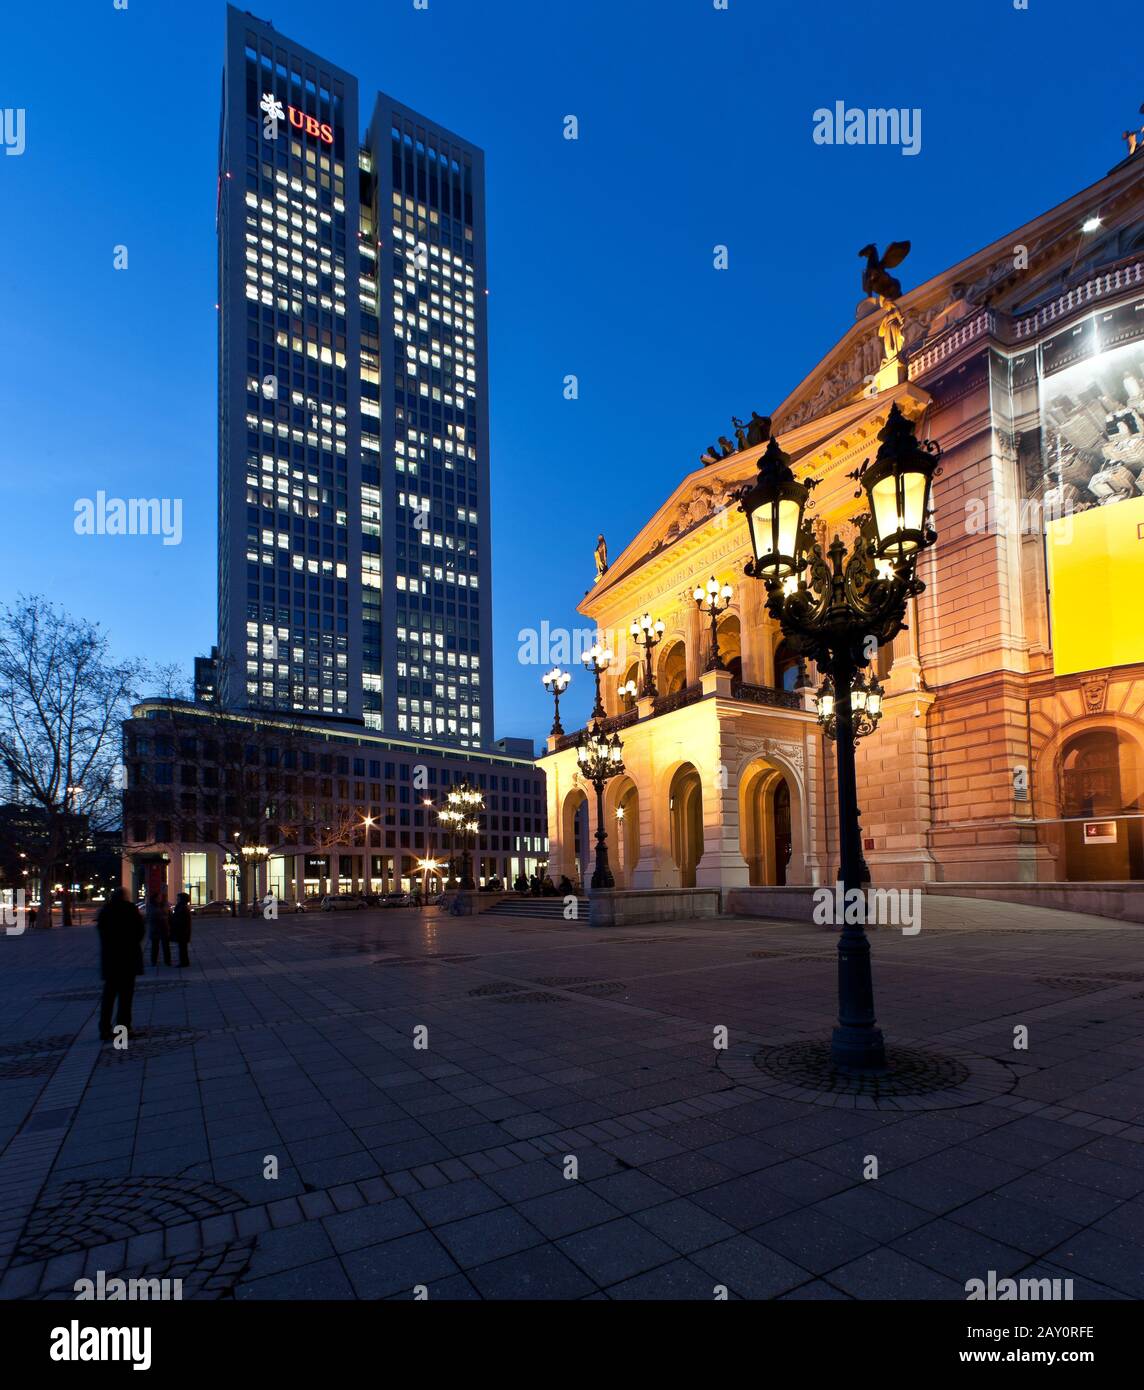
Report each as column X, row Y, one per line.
column 551, row 909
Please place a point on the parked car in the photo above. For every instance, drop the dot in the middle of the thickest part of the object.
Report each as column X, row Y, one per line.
column 342, row 902
column 215, row 908
column 395, row 899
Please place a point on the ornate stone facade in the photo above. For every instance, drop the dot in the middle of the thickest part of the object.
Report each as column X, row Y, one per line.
column 987, row 763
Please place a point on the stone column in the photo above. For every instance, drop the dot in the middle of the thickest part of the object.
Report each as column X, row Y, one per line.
column 722, row 864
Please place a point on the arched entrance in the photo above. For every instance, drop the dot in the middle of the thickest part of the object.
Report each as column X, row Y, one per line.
column 731, row 645
column 622, row 821
column 1100, row 794
column 765, row 840
column 671, row 675
column 574, row 841
column 685, row 809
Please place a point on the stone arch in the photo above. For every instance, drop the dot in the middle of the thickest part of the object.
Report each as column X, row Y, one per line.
column 1092, row 770
column 731, row 644
column 683, row 788
column 765, row 823
column 671, row 668
column 1049, row 756
column 622, row 821
column 780, row 766
column 573, row 828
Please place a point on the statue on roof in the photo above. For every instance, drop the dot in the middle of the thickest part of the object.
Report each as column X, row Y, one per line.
column 875, row 281
column 601, row 557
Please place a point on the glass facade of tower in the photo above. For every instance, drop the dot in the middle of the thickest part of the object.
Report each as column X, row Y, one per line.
column 354, row 576
column 423, row 271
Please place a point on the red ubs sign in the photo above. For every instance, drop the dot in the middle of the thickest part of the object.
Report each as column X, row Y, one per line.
column 310, row 125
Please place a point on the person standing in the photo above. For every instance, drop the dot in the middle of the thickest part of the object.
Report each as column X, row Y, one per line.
column 121, row 930
column 157, row 916
column 181, row 927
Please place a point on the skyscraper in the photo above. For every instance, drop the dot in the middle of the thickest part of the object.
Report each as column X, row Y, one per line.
column 354, row 579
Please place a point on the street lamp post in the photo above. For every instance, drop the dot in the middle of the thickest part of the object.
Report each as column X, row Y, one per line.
column 597, row 659
column 448, row 816
column 866, row 697
column 557, row 681
column 466, row 803
column 829, row 616
column 629, row 693
column 600, row 759
column 648, row 635
column 714, row 601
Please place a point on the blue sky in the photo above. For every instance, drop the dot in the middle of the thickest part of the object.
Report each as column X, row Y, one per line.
column 695, row 130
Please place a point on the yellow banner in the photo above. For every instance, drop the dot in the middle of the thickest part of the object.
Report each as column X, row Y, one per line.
column 1096, row 587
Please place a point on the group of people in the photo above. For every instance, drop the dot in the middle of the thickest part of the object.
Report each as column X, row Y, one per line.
column 122, row 930
column 538, row 887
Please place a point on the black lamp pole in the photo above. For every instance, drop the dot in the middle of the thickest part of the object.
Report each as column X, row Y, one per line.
column 597, row 660
column 829, row 615
column 648, row 635
column 715, row 602
column 557, row 681
column 600, row 759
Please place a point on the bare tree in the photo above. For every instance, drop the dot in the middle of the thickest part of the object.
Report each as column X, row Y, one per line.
column 62, row 700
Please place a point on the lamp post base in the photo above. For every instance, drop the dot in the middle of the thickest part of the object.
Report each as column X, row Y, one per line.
column 858, row 1049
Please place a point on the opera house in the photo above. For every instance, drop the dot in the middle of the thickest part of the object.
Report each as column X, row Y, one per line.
column 1007, row 759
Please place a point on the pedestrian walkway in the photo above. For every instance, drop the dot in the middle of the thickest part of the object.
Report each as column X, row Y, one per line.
column 368, row 1105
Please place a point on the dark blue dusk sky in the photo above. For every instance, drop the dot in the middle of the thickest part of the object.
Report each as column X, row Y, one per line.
column 695, row 130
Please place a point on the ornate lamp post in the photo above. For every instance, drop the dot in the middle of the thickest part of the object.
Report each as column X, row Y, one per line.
column 865, row 702
column 557, row 681
column 829, row 615
column 648, row 635
column 714, row 601
column 466, row 803
column 597, row 659
column 446, row 817
column 629, row 693
column 600, row 759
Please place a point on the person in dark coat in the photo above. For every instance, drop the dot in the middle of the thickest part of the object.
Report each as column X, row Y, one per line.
column 181, row 927
column 157, row 916
column 120, row 926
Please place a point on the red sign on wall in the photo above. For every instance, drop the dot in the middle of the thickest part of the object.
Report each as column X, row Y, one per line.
column 310, row 125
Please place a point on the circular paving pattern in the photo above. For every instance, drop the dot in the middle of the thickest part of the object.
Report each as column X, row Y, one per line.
column 911, row 1072
column 206, row 1276
column 33, row 1057
column 790, row 956
column 158, row 1040
column 82, row 1214
column 918, row 1078
column 601, row 989
column 533, row 996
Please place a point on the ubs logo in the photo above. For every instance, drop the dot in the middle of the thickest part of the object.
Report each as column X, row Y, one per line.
column 273, row 111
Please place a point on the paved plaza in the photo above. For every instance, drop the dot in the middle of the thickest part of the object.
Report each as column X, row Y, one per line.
column 569, row 1128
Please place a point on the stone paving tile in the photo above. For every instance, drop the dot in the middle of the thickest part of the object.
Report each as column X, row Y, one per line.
column 616, row 1250
column 446, row 1170
column 541, row 1272
column 749, row 1269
